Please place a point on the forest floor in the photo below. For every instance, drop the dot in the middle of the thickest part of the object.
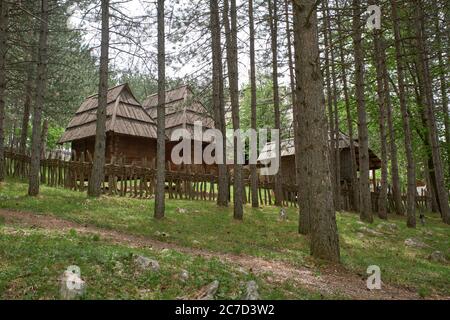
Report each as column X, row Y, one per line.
column 41, row 237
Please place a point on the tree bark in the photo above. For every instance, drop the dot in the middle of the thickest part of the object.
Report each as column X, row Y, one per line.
column 218, row 100
column 411, row 166
column 378, row 61
column 41, row 86
column 230, row 20
column 161, row 122
column 314, row 151
column 273, row 23
column 424, row 81
column 4, row 15
column 353, row 164
column 253, row 172
column 98, row 167
column 28, row 92
column 365, row 207
column 293, row 96
column 44, row 136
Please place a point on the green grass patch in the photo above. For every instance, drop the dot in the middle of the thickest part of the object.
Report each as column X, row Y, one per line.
column 261, row 234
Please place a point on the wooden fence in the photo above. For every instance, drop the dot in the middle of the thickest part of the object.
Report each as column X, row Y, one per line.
column 189, row 183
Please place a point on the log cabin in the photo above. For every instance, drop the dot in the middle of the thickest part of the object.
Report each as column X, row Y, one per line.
column 130, row 131
column 287, row 148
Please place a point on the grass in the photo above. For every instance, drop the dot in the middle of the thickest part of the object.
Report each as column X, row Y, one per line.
column 32, row 261
column 260, row 234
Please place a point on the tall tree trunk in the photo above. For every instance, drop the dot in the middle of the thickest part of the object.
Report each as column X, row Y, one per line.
column 28, row 92
column 314, row 151
column 218, row 100
column 329, row 99
column 378, row 61
column 161, row 118
column 230, row 20
column 41, row 86
column 427, row 102
column 443, row 70
column 353, row 164
column 44, row 136
column 365, row 207
column 253, row 172
column 293, row 96
column 4, row 15
column 98, row 167
column 411, row 166
column 273, row 23
column 335, row 134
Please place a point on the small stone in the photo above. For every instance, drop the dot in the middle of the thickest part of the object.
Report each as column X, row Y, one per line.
column 180, row 210
column 72, row 286
column 196, row 242
column 147, row 264
column 208, row 292
column 283, row 214
column 388, row 227
column 184, row 275
column 437, row 256
column 415, row 243
column 370, row 231
column 252, row 291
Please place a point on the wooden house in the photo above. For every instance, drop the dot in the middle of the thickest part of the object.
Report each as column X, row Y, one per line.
column 287, row 163
column 182, row 111
column 130, row 130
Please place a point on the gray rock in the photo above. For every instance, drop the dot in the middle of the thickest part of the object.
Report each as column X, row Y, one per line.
column 283, row 214
column 437, row 256
column 147, row 264
column 184, row 275
column 252, row 291
column 415, row 243
column 370, row 231
column 208, row 292
column 388, row 227
column 180, row 210
column 72, row 286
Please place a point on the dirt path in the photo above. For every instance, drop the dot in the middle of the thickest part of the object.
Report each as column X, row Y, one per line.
column 332, row 280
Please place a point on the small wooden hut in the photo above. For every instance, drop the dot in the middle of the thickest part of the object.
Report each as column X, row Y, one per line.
column 130, row 130
column 288, row 158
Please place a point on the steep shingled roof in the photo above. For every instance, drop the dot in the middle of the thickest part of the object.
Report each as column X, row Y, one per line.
column 124, row 115
column 182, row 110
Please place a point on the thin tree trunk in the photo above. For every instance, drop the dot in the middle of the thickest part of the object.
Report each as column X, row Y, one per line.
column 314, row 151
column 365, row 207
column 161, row 149
column 427, row 102
column 253, row 172
column 273, row 23
column 353, row 164
column 293, row 97
column 329, row 100
column 378, row 61
column 335, row 134
column 4, row 15
column 411, row 166
column 98, row 166
column 41, row 86
column 44, row 136
column 230, row 20
column 218, row 100
column 443, row 90
column 26, row 108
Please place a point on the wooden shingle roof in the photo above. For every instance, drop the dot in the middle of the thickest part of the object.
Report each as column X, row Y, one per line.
column 182, row 110
column 124, row 115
